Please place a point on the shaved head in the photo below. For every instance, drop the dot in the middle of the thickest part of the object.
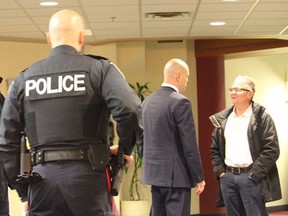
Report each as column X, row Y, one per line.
column 176, row 72
column 66, row 27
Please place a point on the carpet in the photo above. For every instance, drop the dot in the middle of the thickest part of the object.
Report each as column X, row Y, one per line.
column 278, row 213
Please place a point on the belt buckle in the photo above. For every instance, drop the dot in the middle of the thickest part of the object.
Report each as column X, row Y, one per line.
column 236, row 170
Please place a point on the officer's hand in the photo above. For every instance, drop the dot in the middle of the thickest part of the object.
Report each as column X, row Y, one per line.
column 25, row 207
column 127, row 158
column 114, row 149
column 200, row 187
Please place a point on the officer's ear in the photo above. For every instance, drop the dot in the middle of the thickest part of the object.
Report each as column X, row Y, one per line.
column 48, row 38
column 81, row 39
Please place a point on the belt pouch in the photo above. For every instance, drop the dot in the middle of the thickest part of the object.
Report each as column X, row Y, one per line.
column 98, row 156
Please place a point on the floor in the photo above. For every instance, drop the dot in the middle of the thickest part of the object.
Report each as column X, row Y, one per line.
column 278, row 213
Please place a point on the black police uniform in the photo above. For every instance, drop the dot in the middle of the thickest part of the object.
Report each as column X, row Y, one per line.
column 63, row 104
column 4, row 203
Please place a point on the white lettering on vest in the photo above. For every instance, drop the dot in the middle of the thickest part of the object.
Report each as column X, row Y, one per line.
column 68, row 83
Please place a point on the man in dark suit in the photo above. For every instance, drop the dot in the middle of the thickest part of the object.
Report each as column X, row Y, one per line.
column 171, row 159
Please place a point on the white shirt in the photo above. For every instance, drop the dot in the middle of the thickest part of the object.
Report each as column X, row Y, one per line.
column 237, row 152
column 171, row 86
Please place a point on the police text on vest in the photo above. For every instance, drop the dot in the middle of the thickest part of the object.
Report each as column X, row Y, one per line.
column 55, row 85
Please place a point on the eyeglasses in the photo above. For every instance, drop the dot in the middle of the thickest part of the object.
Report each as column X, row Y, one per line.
column 238, row 90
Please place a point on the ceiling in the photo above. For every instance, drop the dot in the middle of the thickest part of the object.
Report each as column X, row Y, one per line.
column 121, row 20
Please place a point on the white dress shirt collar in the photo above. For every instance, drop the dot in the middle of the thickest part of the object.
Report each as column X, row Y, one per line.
column 170, row 85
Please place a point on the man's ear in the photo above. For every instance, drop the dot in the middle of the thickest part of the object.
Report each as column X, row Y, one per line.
column 251, row 94
column 178, row 77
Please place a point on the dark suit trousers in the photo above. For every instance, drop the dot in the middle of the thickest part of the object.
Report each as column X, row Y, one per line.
column 170, row 201
column 4, row 205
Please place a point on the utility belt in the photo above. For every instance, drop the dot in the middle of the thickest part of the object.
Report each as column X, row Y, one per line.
column 97, row 155
column 238, row 170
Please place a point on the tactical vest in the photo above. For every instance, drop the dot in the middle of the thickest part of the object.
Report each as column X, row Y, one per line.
column 61, row 107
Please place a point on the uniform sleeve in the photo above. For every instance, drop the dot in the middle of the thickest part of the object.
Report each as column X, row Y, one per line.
column 124, row 106
column 11, row 126
column 186, row 127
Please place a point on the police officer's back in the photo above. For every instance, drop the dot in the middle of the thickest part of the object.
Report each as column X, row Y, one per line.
column 63, row 103
column 4, row 203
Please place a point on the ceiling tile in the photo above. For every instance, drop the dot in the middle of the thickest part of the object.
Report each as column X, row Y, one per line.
column 115, row 19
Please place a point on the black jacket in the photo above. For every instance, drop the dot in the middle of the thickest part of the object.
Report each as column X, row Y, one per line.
column 264, row 148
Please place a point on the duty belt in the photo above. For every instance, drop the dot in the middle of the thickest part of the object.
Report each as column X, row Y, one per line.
column 238, row 170
column 39, row 157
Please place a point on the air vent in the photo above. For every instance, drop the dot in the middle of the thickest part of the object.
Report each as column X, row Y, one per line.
column 168, row 15
column 169, row 41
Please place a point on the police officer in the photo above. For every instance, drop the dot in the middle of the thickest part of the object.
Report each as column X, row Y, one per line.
column 4, row 203
column 63, row 104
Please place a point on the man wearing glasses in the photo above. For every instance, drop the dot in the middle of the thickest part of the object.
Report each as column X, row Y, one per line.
column 244, row 151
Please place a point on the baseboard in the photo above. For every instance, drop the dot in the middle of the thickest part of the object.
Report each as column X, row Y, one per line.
column 269, row 209
column 278, row 208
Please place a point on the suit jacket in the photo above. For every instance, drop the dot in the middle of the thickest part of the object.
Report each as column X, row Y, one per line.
column 170, row 152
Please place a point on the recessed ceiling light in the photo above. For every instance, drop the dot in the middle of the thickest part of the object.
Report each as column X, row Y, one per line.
column 48, row 3
column 217, row 23
column 230, row 0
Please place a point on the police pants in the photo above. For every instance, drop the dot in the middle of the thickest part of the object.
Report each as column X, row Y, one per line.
column 69, row 188
column 4, row 205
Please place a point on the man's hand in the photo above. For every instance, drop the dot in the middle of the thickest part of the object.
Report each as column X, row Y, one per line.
column 25, row 207
column 127, row 158
column 221, row 174
column 200, row 187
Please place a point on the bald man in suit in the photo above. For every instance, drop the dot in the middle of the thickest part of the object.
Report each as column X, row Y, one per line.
column 171, row 159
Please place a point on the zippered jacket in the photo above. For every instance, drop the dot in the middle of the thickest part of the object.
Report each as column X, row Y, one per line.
column 264, row 148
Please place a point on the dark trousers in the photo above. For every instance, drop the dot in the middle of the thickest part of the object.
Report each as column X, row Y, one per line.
column 69, row 188
column 170, row 201
column 242, row 196
column 4, row 205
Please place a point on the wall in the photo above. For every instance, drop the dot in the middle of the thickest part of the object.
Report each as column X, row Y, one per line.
column 269, row 74
column 15, row 57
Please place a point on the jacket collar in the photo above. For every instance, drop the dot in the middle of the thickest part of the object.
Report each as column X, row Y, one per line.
column 257, row 111
column 63, row 49
column 170, row 86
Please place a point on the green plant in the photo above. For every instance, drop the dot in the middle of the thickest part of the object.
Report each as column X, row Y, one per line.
column 134, row 194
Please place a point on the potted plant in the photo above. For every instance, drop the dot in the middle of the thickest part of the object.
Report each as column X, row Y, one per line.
column 134, row 182
column 141, row 91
